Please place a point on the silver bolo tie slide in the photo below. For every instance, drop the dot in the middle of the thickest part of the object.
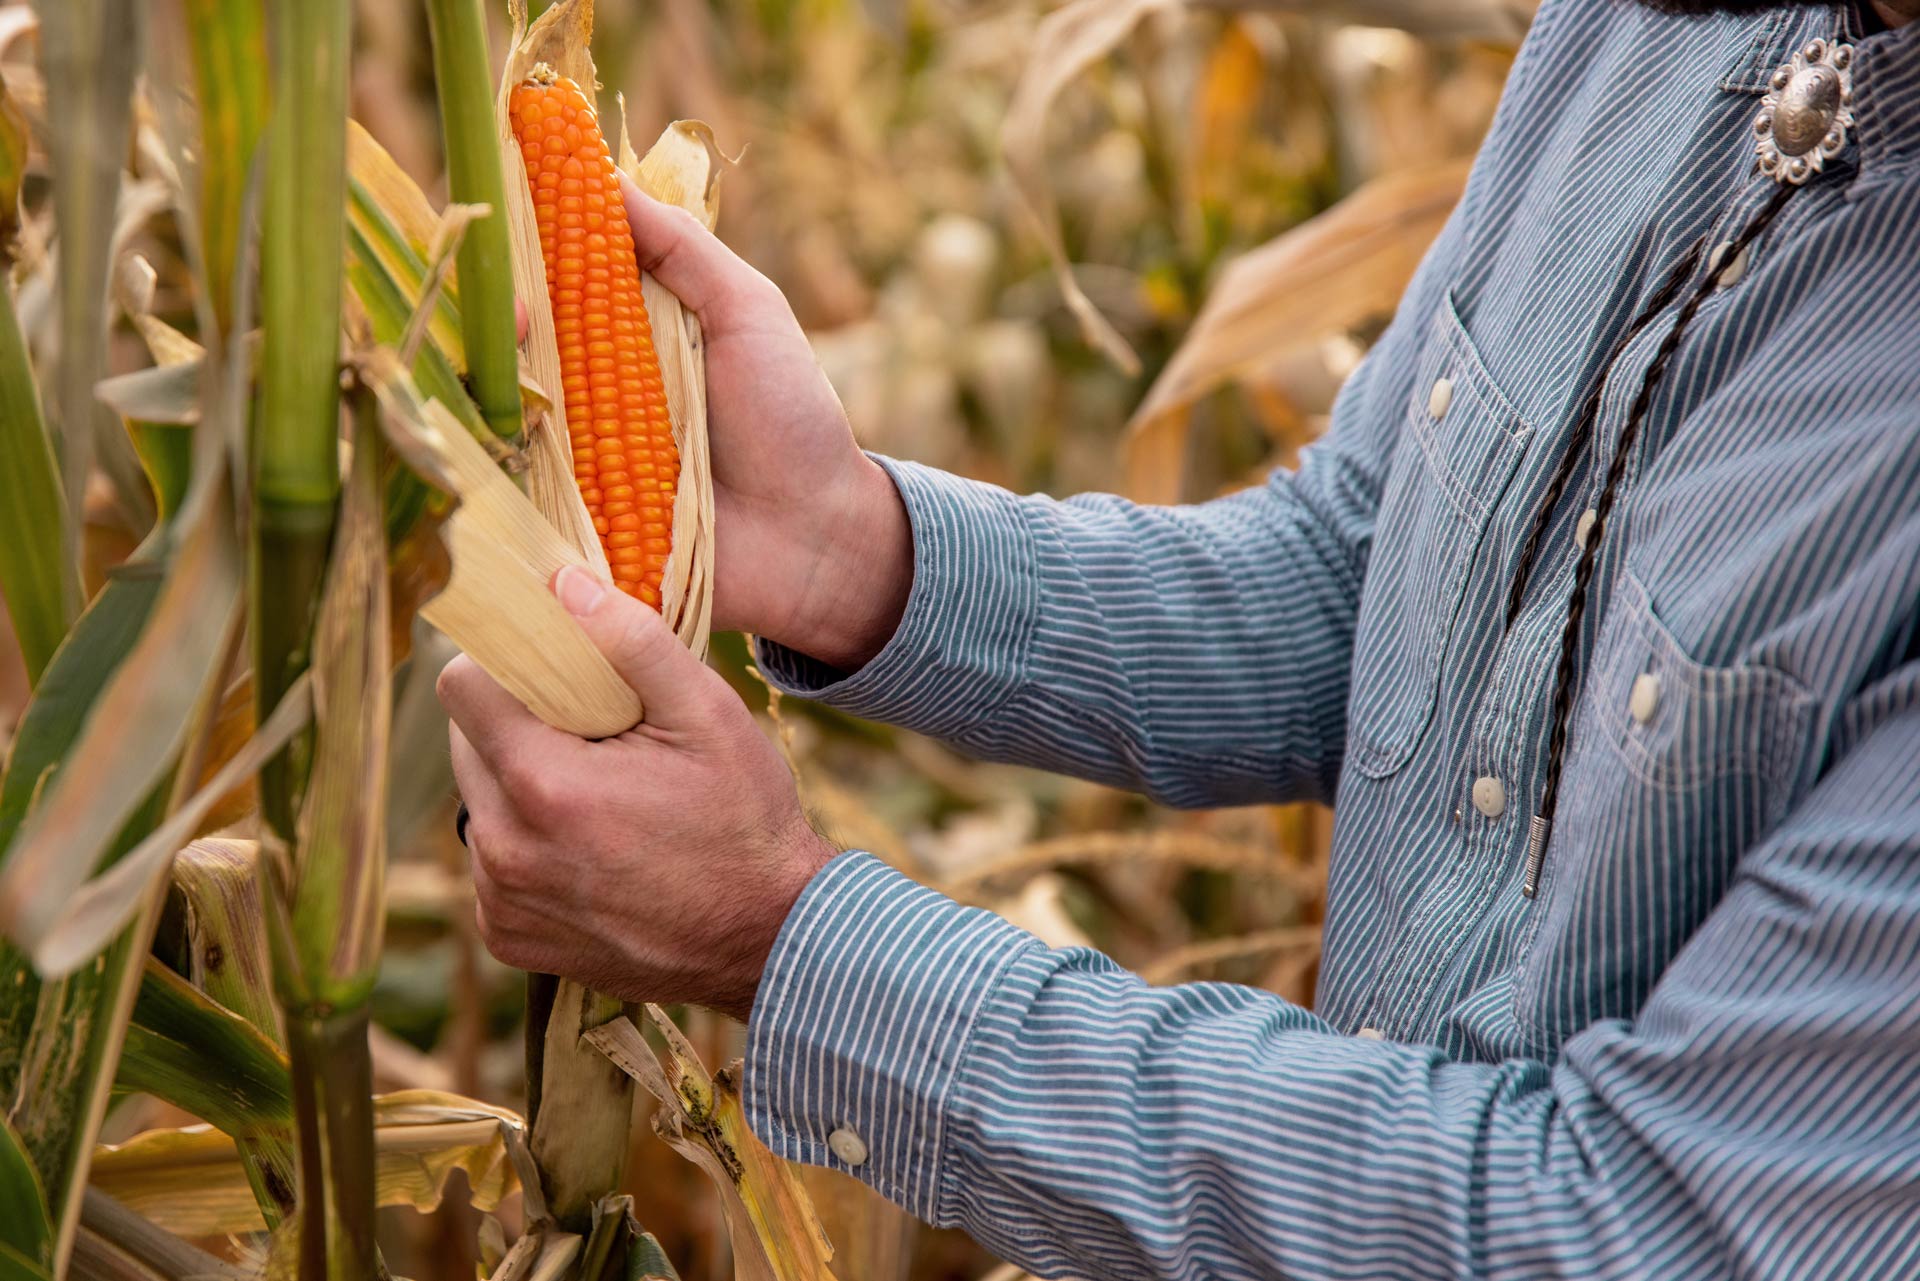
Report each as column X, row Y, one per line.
column 1802, row 123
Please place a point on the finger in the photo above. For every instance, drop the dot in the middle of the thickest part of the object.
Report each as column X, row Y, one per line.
column 675, row 688
column 520, row 322
column 710, row 279
column 497, row 724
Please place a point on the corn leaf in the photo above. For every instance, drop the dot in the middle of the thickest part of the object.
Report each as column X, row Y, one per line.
column 26, row 1232
column 1068, row 41
column 192, row 1182
column 90, row 54
column 230, row 83
column 1341, row 268
column 132, row 733
column 187, row 1049
column 392, row 222
column 1499, row 21
column 217, row 886
column 775, row 1232
column 38, row 573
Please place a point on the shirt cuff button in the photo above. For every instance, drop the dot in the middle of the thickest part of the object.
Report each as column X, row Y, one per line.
column 848, row 1146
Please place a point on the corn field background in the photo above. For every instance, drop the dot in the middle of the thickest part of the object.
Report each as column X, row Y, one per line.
column 1127, row 245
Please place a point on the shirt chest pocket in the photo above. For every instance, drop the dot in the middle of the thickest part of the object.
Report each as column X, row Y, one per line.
column 1460, row 443
column 1674, row 769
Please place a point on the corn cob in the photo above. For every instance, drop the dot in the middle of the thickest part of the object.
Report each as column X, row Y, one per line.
column 624, row 458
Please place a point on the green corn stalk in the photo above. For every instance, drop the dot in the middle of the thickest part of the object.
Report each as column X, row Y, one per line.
column 463, row 77
column 327, row 906
column 295, row 446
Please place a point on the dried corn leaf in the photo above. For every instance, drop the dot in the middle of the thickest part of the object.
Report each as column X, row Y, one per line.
column 1341, row 268
column 683, row 168
column 497, row 605
column 191, row 1181
column 1067, row 42
column 1498, row 21
column 94, row 912
column 771, row 1222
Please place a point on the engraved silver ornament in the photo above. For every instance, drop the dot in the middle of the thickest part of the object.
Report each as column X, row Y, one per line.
column 1805, row 116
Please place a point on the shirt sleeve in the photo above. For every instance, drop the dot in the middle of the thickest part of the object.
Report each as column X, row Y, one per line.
column 1760, row 1118
column 1137, row 646
column 1199, row 654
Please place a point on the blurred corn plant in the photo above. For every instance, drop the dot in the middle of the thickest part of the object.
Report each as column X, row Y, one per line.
column 1115, row 244
column 326, row 347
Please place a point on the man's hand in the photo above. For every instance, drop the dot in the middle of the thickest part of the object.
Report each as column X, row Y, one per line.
column 813, row 545
column 658, row 865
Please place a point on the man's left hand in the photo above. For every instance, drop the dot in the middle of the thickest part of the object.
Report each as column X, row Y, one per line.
column 657, row 865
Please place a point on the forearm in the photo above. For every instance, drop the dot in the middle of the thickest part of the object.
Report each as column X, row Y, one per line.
column 1199, row 654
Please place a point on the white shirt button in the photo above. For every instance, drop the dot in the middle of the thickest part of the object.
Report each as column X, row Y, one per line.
column 1644, row 701
column 1584, row 530
column 848, row 1146
column 1490, row 796
column 1440, row 397
column 1730, row 272
column 1371, row 1034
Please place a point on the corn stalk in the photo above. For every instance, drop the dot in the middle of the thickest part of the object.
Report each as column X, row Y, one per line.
column 294, row 460
column 327, row 903
column 461, row 76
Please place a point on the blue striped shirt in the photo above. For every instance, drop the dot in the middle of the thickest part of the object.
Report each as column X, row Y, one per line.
column 1696, row 1053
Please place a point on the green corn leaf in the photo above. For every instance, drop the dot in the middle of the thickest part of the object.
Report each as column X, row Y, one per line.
column 230, row 80
column 186, row 1048
column 38, row 573
column 26, row 1232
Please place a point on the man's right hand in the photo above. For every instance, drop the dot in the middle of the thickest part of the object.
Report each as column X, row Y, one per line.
column 813, row 546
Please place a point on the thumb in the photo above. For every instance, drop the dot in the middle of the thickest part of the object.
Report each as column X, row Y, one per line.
column 673, row 685
column 715, row 283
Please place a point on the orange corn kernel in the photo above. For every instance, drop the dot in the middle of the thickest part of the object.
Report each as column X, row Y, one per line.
column 624, row 457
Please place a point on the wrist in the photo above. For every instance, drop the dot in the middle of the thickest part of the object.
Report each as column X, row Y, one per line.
column 863, row 575
column 802, row 859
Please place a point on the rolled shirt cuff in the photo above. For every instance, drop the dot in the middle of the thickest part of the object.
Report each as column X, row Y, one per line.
column 863, row 1023
column 961, row 649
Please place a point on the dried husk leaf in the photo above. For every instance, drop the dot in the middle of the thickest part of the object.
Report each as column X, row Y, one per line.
column 558, row 38
column 682, row 169
column 1345, row 266
column 498, row 605
column 192, row 1182
column 775, row 1232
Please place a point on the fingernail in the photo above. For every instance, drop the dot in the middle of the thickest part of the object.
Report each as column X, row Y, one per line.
column 578, row 590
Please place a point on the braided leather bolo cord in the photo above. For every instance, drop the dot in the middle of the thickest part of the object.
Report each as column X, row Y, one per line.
column 1540, row 830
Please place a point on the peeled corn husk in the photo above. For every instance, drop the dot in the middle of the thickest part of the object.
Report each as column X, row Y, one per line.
column 559, row 38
